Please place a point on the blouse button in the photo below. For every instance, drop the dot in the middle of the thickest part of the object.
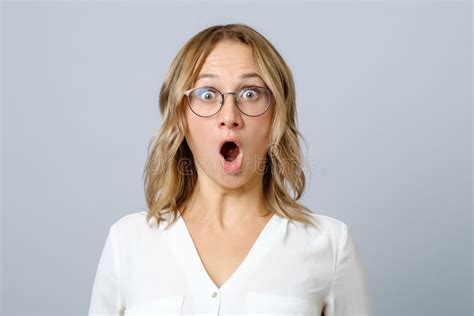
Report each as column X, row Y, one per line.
column 214, row 294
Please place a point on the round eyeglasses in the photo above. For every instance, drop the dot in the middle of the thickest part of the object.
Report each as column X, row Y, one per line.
column 250, row 100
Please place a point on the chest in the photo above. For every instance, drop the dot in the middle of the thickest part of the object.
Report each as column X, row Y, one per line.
column 221, row 253
column 268, row 270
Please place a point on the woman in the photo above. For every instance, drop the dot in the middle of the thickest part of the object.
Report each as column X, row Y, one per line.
column 224, row 232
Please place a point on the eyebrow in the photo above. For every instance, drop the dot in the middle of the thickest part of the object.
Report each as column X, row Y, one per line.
column 244, row 76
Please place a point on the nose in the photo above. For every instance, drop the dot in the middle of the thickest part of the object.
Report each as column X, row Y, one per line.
column 229, row 115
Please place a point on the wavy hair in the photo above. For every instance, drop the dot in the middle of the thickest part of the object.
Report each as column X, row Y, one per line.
column 170, row 173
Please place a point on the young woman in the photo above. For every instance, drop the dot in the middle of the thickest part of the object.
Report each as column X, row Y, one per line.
column 224, row 232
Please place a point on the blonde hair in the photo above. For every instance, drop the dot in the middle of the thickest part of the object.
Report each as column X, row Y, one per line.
column 170, row 174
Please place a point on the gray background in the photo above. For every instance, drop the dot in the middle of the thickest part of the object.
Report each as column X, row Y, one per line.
column 384, row 94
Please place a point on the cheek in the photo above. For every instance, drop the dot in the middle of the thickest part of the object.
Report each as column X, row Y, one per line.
column 194, row 125
column 198, row 135
column 260, row 135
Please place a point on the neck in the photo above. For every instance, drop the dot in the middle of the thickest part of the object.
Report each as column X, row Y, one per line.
column 221, row 208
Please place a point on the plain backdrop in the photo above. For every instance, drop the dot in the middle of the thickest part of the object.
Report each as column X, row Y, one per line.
column 384, row 97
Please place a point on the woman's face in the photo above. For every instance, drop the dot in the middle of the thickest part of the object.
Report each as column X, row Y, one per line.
column 228, row 61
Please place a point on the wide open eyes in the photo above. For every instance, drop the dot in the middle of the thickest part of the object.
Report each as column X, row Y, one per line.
column 251, row 100
column 206, row 94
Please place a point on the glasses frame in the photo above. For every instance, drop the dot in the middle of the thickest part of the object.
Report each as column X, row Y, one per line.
column 236, row 99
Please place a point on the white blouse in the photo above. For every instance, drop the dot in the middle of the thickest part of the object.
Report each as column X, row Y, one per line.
column 291, row 269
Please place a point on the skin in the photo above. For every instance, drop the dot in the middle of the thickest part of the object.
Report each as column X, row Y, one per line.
column 226, row 202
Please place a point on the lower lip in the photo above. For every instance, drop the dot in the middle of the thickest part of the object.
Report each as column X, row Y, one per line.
column 232, row 167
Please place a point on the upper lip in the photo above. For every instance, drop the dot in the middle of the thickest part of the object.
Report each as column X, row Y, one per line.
column 230, row 139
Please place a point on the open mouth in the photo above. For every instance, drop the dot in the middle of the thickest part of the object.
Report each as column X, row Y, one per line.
column 229, row 151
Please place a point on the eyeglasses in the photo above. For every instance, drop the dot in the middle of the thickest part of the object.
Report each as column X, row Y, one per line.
column 250, row 100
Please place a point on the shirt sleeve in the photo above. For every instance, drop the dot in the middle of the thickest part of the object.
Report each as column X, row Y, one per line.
column 349, row 293
column 106, row 296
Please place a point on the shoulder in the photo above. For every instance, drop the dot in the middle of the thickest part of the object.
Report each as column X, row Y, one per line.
column 328, row 223
column 132, row 229
column 129, row 223
column 136, row 222
column 130, row 219
column 335, row 229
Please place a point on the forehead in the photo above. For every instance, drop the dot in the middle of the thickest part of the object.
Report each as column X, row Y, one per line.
column 229, row 59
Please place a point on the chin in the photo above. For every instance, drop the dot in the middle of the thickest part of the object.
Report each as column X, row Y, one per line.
column 231, row 181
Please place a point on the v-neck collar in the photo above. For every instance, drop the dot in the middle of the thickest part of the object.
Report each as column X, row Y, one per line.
column 188, row 257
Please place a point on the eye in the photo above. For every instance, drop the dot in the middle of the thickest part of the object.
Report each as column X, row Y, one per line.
column 206, row 94
column 250, row 93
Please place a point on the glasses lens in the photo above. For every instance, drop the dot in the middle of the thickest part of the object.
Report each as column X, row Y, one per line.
column 254, row 100
column 205, row 101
